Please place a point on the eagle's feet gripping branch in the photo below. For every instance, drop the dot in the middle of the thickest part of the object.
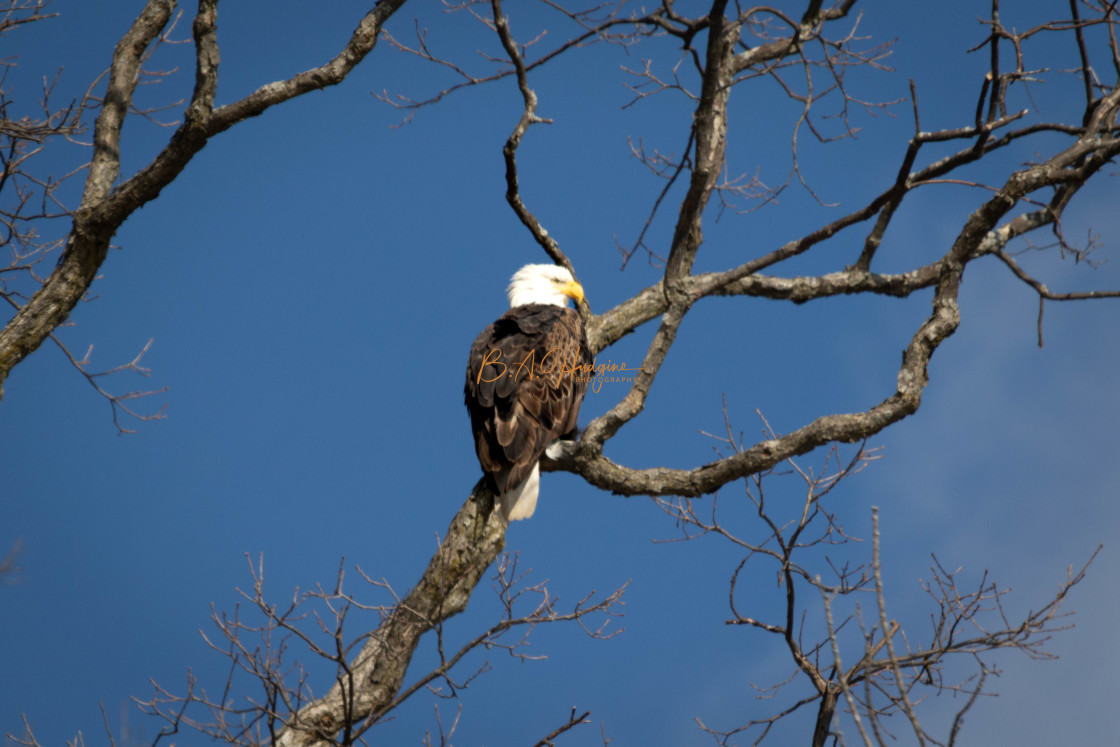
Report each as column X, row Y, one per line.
column 561, row 449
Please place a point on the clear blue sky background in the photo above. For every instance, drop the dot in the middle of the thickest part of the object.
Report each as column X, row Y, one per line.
column 313, row 282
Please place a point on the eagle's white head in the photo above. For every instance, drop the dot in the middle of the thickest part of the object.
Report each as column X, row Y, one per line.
column 546, row 284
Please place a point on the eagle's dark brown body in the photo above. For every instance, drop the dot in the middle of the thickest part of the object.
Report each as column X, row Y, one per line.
column 526, row 377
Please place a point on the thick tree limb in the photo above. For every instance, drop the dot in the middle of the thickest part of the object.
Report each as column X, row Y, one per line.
column 474, row 539
column 89, row 240
column 978, row 236
column 104, row 208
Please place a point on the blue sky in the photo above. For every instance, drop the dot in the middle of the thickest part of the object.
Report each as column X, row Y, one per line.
column 313, row 282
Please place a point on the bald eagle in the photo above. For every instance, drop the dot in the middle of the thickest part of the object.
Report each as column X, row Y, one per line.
column 526, row 377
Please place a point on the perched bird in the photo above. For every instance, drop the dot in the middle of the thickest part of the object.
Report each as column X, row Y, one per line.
column 526, row 377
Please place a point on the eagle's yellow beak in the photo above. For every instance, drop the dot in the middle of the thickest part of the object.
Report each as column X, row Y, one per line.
column 574, row 291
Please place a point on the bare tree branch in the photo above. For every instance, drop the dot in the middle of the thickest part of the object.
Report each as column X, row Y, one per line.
column 104, row 207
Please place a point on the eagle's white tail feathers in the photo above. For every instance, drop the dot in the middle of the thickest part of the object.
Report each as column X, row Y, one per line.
column 521, row 502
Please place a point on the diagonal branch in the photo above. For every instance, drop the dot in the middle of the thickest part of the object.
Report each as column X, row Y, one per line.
column 474, row 539
column 573, row 721
column 979, row 235
column 104, row 208
column 88, row 243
